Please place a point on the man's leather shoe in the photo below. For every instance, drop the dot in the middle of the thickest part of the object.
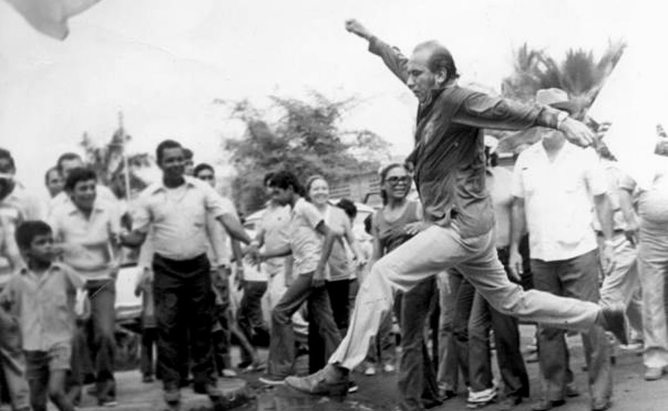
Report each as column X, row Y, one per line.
column 319, row 383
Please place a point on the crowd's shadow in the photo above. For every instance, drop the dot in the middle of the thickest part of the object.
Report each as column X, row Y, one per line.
column 285, row 399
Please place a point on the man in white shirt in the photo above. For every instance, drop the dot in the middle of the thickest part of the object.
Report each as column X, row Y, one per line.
column 553, row 185
column 87, row 231
column 176, row 208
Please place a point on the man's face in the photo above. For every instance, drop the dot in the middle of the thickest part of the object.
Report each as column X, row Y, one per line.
column 66, row 166
column 41, row 248
column 54, row 183
column 420, row 79
column 6, row 177
column 83, row 195
column 281, row 196
column 207, row 176
column 172, row 163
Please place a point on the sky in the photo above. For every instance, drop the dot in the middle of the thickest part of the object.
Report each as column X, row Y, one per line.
column 163, row 63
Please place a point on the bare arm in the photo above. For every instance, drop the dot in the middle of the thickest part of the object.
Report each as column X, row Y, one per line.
column 517, row 231
column 234, row 227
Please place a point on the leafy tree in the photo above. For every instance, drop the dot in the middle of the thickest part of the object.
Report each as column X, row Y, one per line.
column 107, row 161
column 305, row 137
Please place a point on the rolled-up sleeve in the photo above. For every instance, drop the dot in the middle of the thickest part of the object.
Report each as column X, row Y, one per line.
column 483, row 111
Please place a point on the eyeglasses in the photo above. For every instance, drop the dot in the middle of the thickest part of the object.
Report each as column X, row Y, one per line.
column 205, row 177
column 394, row 180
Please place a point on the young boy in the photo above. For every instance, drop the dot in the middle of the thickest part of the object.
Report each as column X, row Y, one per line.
column 42, row 296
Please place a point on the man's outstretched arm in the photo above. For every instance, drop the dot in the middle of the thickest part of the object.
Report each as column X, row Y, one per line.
column 483, row 111
column 391, row 56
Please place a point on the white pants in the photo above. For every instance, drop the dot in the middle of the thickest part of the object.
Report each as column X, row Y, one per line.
column 653, row 268
column 437, row 249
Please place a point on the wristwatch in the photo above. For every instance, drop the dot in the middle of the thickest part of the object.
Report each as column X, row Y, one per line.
column 561, row 117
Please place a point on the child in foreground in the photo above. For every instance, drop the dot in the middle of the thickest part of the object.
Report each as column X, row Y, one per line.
column 42, row 296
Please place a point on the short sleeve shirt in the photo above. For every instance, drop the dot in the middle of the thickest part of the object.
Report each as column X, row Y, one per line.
column 178, row 217
column 558, row 200
column 87, row 240
column 305, row 242
column 274, row 227
column 44, row 305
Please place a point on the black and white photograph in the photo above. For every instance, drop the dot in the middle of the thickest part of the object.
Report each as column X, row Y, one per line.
column 329, row 205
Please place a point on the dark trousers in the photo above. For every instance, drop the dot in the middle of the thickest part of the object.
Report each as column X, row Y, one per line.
column 183, row 302
column 339, row 299
column 282, row 344
column 149, row 337
column 578, row 278
column 507, row 341
column 101, row 327
column 417, row 377
column 249, row 315
column 464, row 294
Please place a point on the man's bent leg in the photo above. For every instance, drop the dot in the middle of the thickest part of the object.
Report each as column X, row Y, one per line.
column 424, row 255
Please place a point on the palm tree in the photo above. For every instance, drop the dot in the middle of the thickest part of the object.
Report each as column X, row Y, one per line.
column 580, row 74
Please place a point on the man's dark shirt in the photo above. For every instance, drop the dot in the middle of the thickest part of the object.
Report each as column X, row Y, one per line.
column 448, row 158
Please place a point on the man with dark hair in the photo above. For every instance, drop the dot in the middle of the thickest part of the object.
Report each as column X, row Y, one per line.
column 349, row 207
column 449, row 165
column 176, row 209
column 53, row 181
column 65, row 164
column 310, row 253
column 272, row 233
column 87, row 229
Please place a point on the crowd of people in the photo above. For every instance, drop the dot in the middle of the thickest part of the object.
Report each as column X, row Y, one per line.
column 565, row 240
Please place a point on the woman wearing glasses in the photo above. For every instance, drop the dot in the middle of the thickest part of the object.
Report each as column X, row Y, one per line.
column 398, row 221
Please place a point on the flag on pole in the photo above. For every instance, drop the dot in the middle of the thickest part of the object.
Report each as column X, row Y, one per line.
column 50, row 16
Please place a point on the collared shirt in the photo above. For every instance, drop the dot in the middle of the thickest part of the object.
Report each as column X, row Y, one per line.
column 220, row 249
column 449, row 157
column 274, row 228
column 305, row 242
column 44, row 305
column 103, row 194
column 178, row 217
column 558, row 199
column 87, row 240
